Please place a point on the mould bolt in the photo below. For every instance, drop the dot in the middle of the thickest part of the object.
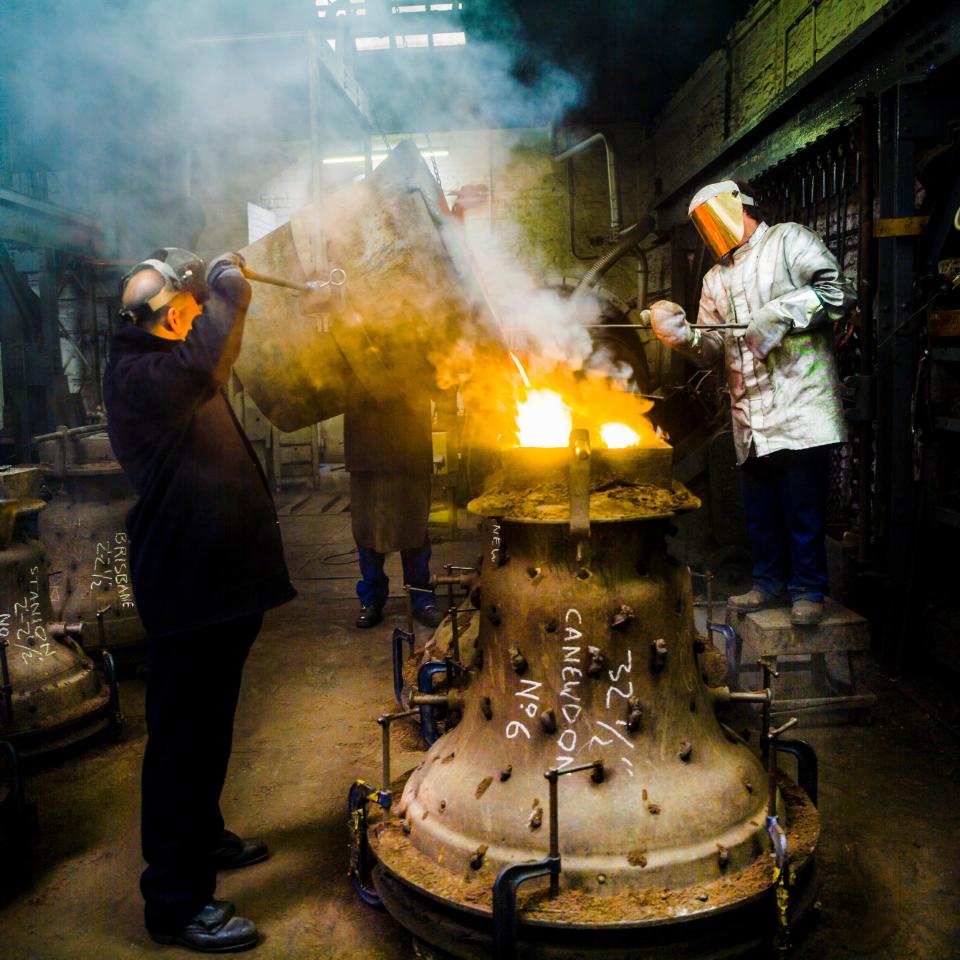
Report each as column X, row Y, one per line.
column 517, row 660
column 596, row 662
column 634, row 715
column 485, row 708
column 686, row 751
column 622, row 617
column 658, row 652
column 548, row 721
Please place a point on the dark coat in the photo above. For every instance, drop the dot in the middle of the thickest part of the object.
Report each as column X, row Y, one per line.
column 205, row 542
column 389, row 452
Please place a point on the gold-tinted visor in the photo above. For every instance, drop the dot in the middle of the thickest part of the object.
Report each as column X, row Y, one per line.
column 719, row 221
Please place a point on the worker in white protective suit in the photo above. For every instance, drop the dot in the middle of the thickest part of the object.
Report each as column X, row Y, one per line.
column 785, row 288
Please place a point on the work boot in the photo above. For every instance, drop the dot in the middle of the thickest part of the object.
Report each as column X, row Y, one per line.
column 753, row 599
column 806, row 613
column 428, row 616
column 215, row 929
column 369, row 617
column 233, row 852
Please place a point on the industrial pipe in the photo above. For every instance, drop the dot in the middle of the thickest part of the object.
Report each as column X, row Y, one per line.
column 613, row 185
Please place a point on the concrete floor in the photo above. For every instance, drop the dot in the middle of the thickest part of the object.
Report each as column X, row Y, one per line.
column 305, row 730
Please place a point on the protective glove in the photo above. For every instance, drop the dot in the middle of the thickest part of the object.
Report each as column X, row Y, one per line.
column 224, row 265
column 669, row 323
column 764, row 332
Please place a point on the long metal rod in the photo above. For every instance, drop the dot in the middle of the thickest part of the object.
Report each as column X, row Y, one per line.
column 275, row 281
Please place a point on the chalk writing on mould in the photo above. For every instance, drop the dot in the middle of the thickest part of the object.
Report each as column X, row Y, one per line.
column 110, row 570
column 618, row 692
column 29, row 635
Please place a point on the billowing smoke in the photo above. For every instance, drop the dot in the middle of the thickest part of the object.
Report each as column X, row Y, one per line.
column 140, row 112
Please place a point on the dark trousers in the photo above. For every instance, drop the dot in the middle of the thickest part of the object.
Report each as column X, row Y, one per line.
column 785, row 498
column 193, row 681
column 373, row 587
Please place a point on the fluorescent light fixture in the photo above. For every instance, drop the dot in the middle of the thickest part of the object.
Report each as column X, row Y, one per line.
column 379, row 157
column 411, row 8
column 414, row 40
column 449, row 39
column 441, row 6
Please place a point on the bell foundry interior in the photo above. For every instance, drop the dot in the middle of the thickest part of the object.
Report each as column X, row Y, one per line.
column 480, row 479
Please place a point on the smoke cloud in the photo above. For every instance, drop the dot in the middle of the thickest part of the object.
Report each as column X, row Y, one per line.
column 130, row 118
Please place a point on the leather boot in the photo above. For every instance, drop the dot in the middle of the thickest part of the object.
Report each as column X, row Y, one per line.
column 215, row 929
column 753, row 599
column 806, row 613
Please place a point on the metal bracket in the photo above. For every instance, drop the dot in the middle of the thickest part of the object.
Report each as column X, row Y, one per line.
column 396, row 642
column 510, row 878
column 117, row 720
column 361, row 860
column 807, row 765
column 429, row 729
column 579, row 486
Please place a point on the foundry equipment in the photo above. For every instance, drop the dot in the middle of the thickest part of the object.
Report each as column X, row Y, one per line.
column 83, row 533
column 399, row 291
column 52, row 694
column 589, row 802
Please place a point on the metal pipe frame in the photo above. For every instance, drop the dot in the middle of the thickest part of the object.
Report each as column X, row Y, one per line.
column 613, row 184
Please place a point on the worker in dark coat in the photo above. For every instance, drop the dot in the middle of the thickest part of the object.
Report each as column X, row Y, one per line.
column 389, row 454
column 206, row 561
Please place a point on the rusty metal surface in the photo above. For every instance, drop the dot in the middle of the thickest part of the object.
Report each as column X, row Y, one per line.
column 572, row 704
column 410, row 293
column 87, row 554
column 55, row 685
column 83, row 533
column 532, row 485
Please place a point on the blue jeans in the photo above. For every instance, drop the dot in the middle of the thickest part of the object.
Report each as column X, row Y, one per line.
column 373, row 588
column 785, row 498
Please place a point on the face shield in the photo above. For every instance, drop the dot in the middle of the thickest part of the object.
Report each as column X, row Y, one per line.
column 717, row 213
column 182, row 272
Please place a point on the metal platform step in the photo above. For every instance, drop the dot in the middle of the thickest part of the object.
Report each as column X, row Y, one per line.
column 843, row 636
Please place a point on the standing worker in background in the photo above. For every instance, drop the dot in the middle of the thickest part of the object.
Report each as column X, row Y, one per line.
column 783, row 285
column 389, row 453
column 206, row 561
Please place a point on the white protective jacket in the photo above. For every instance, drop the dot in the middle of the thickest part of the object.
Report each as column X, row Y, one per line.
column 790, row 400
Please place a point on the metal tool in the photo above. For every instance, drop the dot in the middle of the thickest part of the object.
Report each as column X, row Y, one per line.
column 719, row 326
column 337, row 278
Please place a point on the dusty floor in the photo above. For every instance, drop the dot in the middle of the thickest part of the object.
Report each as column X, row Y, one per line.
column 313, row 686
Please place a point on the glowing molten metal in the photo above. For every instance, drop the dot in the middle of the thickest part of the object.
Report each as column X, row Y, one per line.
column 543, row 420
column 615, row 436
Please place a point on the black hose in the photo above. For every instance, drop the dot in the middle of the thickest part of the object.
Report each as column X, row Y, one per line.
column 628, row 240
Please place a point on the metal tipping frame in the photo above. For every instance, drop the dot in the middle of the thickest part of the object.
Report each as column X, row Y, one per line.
column 510, row 878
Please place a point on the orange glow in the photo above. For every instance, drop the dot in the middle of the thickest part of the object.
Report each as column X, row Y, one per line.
column 615, row 418
column 543, row 420
column 615, row 436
